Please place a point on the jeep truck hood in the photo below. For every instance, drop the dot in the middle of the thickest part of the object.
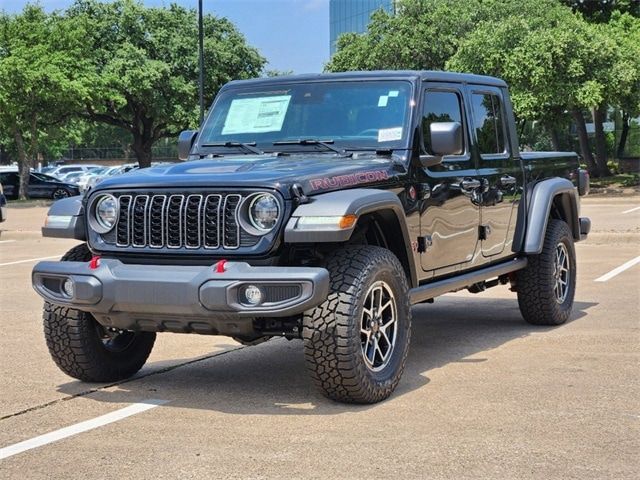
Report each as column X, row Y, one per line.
column 315, row 173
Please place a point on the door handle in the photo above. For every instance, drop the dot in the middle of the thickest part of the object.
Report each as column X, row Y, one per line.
column 506, row 180
column 469, row 184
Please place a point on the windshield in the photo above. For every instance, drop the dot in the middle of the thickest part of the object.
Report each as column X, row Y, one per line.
column 351, row 115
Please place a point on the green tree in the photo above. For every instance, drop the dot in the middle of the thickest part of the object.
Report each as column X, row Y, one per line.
column 603, row 10
column 41, row 81
column 625, row 30
column 556, row 63
column 145, row 66
column 422, row 35
column 606, row 15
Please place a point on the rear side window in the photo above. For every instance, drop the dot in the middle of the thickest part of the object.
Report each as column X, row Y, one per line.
column 488, row 122
column 439, row 107
column 9, row 178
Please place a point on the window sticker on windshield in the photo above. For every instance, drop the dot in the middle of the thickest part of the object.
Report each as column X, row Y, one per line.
column 393, row 93
column 256, row 115
column 389, row 134
column 382, row 102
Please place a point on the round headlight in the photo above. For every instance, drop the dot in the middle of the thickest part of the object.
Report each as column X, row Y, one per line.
column 264, row 210
column 106, row 212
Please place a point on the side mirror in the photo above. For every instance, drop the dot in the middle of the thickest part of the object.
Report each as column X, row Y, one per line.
column 185, row 142
column 446, row 139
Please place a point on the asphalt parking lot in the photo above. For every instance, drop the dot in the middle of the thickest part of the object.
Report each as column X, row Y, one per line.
column 484, row 395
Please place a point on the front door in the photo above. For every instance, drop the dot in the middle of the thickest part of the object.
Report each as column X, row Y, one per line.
column 449, row 216
column 498, row 170
column 10, row 183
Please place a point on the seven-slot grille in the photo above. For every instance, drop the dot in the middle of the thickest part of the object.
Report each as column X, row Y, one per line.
column 181, row 221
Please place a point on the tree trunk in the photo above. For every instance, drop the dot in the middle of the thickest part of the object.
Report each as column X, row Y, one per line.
column 555, row 140
column 583, row 138
column 599, row 115
column 623, row 135
column 142, row 149
column 23, row 165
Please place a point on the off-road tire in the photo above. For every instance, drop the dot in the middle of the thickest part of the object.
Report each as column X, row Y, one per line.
column 536, row 283
column 331, row 331
column 74, row 341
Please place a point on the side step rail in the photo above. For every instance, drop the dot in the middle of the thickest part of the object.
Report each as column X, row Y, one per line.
column 439, row 287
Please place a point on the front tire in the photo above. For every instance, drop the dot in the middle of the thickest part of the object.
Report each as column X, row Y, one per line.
column 546, row 287
column 356, row 342
column 84, row 349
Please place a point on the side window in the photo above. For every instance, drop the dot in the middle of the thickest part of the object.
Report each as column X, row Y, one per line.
column 9, row 179
column 439, row 106
column 488, row 123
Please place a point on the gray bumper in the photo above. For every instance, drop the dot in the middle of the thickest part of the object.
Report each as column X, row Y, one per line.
column 181, row 298
column 3, row 208
column 585, row 227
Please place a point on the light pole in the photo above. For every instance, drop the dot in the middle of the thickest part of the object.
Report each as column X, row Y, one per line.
column 201, row 60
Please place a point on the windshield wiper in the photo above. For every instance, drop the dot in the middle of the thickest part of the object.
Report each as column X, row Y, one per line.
column 312, row 141
column 248, row 146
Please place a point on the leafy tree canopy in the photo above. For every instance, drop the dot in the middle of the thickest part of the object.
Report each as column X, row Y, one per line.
column 41, row 79
column 144, row 66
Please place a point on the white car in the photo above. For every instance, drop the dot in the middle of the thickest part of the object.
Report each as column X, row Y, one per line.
column 93, row 180
column 84, row 179
column 66, row 169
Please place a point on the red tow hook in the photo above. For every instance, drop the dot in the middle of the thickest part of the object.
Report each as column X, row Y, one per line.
column 221, row 266
column 94, row 263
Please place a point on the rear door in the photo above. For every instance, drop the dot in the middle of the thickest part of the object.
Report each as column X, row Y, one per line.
column 498, row 169
column 449, row 216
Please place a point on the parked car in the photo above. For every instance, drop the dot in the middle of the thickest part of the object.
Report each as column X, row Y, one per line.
column 320, row 208
column 40, row 186
column 3, row 205
column 48, row 169
column 84, row 179
column 72, row 177
column 64, row 169
column 109, row 172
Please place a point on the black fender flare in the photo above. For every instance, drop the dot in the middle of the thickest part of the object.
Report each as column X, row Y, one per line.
column 358, row 202
column 65, row 219
column 544, row 194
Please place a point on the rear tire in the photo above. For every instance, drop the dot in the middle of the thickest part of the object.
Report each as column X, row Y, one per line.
column 356, row 342
column 84, row 349
column 59, row 193
column 546, row 287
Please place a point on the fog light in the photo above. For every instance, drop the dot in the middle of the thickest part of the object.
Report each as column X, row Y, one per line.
column 67, row 286
column 253, row 295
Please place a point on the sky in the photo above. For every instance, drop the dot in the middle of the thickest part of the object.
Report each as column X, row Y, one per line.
column 290, row 34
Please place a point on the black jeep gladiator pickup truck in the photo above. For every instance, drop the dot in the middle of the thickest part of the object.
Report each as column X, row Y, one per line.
column 318, row 207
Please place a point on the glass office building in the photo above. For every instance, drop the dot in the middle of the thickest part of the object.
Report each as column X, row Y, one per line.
column 352, row 16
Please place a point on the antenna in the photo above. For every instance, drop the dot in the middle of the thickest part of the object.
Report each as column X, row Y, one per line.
column 201, row 61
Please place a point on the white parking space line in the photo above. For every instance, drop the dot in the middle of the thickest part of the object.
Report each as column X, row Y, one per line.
column 618, row 270
column 631, row 210
column 80, row 427
column 29, row 260
column 7, row 241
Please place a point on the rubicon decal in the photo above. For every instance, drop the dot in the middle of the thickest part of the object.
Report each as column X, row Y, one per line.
column 348, row 180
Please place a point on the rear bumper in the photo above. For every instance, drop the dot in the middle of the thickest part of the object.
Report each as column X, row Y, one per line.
column 181, row 298
column 585, row 227
column 3, row 208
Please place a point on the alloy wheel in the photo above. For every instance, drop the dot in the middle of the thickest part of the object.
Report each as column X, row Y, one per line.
column 378, row 328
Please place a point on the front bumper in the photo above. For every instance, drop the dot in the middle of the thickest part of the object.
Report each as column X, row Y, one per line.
column 180, row 298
